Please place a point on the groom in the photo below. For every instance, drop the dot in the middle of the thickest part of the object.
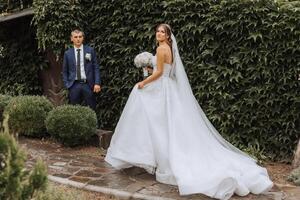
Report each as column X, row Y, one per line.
column 81, row 74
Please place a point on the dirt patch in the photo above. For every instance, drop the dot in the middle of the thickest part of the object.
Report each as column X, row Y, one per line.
column 279, row 172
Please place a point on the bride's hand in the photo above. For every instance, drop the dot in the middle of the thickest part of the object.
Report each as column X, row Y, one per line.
column 140, row 85
column 149, row 69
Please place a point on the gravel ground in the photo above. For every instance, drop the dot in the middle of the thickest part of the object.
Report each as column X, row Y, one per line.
column 71, row 193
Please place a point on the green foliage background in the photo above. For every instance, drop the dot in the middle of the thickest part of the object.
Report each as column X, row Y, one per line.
column 21, row 60
column 7, row 6
column 241, row 56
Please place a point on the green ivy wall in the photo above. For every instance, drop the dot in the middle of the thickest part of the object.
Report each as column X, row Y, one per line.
column 242, row 58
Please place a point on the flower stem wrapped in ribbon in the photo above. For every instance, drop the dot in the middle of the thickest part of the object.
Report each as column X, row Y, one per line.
column 143, row 60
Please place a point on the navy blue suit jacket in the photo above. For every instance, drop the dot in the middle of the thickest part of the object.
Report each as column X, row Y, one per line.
column 91, row 67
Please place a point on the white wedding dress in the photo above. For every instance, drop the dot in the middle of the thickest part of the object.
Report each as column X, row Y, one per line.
column 164, row 130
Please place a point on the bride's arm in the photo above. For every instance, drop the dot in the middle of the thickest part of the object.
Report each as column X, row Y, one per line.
column 160, row 64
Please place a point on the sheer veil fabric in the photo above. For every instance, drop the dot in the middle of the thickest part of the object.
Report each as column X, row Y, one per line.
column 164, row 130
column 185, row 92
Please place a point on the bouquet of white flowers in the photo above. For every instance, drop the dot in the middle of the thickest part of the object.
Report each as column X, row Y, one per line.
column 143, row 60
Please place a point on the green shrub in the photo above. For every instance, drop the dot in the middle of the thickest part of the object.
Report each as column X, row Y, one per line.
column 72, row 125
column 295, row 176
column 16, row 182
column 4, row 100
column 27, row 115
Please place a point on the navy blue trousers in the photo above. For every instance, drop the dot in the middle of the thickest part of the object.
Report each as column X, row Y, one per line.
column 80, row 92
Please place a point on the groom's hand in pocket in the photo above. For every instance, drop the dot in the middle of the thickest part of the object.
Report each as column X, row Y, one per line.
column 97, row 88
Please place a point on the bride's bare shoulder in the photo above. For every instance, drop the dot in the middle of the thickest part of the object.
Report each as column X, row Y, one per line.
column 162, row 49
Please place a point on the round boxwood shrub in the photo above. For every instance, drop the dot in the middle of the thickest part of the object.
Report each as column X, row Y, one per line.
column 27, row 115
column 72, row 125
column 4, row 100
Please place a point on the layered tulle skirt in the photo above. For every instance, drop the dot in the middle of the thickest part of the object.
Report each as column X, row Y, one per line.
column 161, row 134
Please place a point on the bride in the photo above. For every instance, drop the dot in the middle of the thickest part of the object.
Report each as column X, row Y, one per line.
column 164, row 130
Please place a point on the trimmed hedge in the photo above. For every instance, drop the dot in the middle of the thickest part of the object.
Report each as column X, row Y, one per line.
column 27, row 115
column 72, row 125
column 4, row 100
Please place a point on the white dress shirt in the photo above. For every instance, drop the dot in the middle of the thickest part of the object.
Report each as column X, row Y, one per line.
column 83, row 76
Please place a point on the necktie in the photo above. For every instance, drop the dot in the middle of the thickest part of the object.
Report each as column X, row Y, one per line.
column 78, row 71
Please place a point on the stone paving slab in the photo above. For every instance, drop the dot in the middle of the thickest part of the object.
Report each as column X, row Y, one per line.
column 88, row 170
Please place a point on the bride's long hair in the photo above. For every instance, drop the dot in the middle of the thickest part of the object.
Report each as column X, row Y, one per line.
column 168, row 31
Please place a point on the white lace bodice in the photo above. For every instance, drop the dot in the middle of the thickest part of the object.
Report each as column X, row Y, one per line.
column 168, row 72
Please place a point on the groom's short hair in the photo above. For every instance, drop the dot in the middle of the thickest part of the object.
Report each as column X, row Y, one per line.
column 77, row 31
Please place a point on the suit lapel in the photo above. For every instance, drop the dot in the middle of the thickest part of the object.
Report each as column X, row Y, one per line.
column 72, row 52
column 84, row 52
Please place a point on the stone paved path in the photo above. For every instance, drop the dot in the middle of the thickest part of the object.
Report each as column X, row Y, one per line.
column 87, row 169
